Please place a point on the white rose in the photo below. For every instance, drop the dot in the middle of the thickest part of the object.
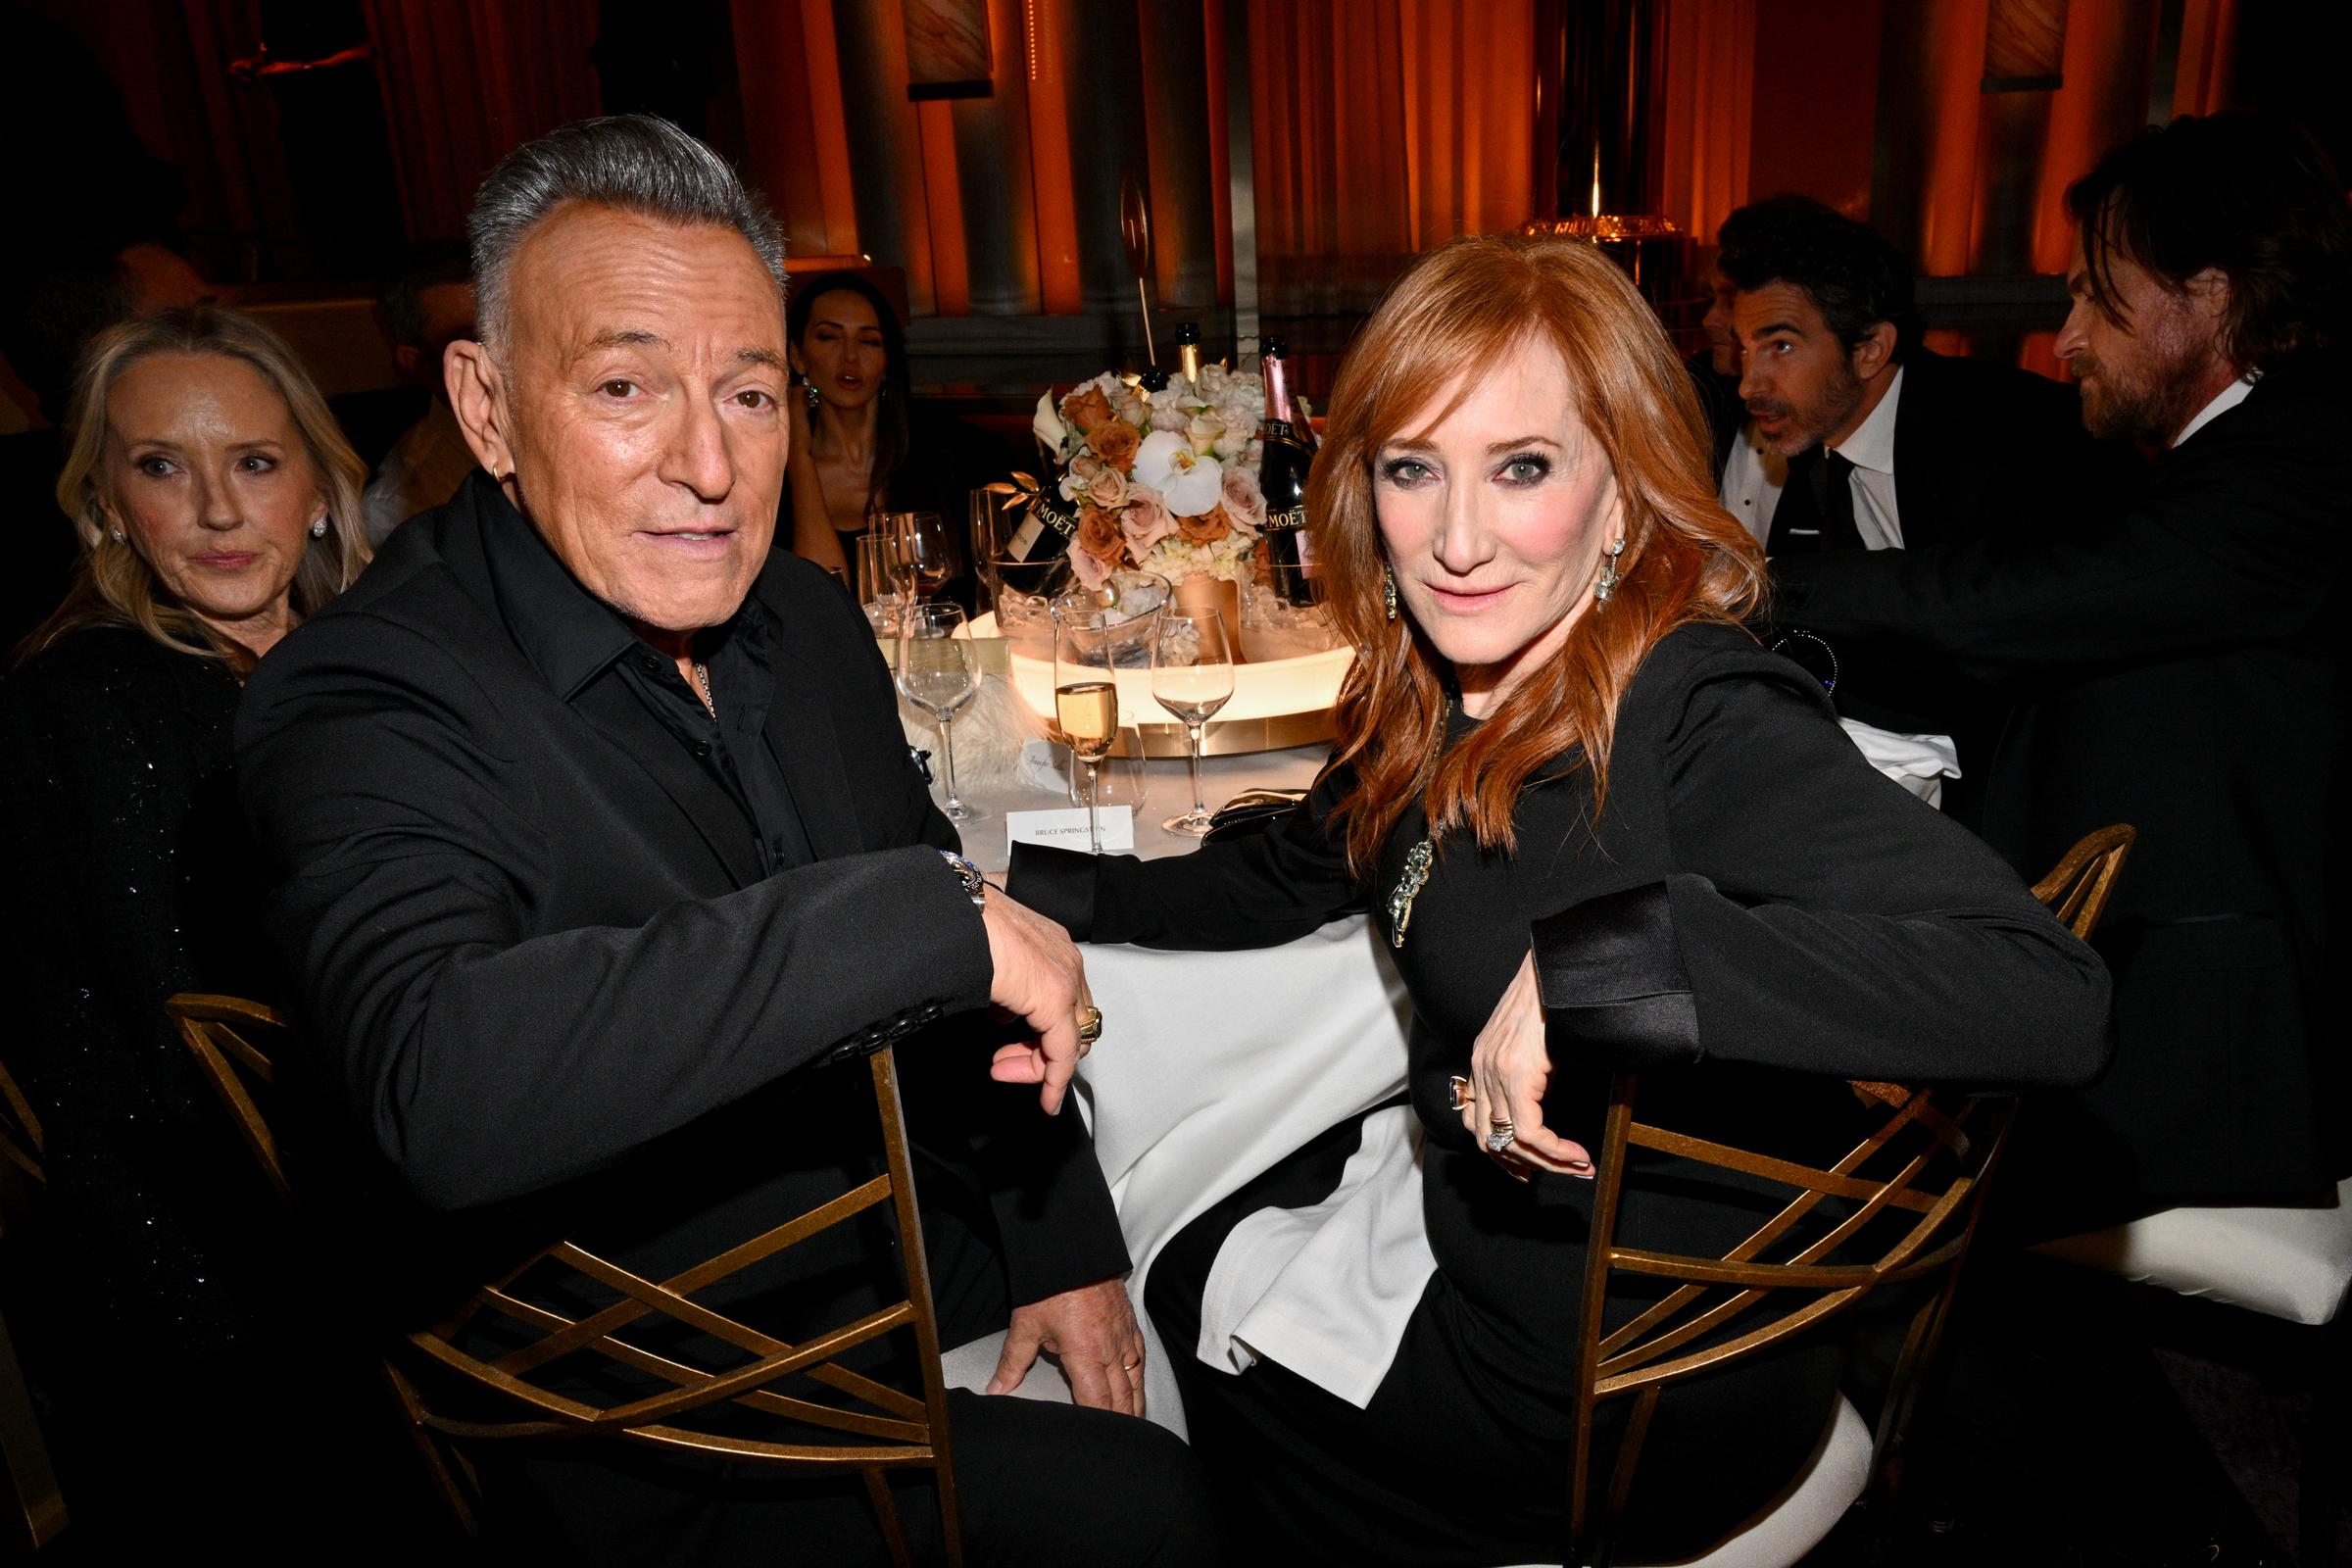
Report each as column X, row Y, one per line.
column 1168, row 415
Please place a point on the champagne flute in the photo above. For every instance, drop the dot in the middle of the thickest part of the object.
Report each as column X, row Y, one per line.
column 939, row 670
column 1192, row 677
column 926, row 551
column 1086, row 699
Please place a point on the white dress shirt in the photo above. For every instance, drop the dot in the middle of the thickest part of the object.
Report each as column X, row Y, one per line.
column 1752, row 481
column 1871, row 450
column 2228, row 398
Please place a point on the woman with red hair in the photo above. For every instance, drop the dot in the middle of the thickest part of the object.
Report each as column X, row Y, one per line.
column 1561, row 753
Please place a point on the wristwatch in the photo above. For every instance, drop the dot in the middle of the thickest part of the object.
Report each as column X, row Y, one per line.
column 975, row 888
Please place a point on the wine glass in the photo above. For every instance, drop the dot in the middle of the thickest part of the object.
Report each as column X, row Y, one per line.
column 926, row 551
column 1192, row 677
column 939, row 669
column 881, row 578
column 1086, row 698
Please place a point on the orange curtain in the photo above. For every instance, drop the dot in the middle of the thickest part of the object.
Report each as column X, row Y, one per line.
column 1384, row 128
column 466, row 80
column 1706, row 110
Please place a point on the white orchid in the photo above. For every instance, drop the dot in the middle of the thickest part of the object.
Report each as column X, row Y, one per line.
column 1189, row 483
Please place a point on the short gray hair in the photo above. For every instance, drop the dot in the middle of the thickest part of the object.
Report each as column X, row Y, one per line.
column 636, row 163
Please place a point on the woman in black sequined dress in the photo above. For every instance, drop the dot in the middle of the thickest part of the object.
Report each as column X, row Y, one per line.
column 215, row 503
column 1562, row 752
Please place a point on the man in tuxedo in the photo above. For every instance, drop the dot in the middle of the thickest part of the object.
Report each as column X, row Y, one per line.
column 597, row 842
column 1858, row 438
column 2180, row 666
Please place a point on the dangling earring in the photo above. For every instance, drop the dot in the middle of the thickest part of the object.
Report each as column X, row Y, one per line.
column 1388, row 591
column 319, row 529
column 808, row 391
column 1610, row 577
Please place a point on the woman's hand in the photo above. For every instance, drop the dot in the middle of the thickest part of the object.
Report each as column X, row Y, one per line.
column 1510, row 1066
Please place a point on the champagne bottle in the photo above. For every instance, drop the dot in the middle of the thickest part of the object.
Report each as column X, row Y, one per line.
column 1034, row 549
column 1282, row 474
column 1187, row 351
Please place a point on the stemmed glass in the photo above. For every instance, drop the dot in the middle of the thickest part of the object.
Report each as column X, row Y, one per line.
column 883, row 584
column 1086, row 699
column 939, row 669
column 926, row 550
column 1192, row 677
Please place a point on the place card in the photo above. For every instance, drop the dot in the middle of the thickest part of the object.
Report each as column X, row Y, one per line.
column 1067, row 828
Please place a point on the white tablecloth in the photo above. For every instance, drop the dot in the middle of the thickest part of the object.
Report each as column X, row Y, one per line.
column 1213, row 1066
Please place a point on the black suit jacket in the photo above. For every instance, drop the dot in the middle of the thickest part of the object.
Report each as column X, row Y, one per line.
column 1979, row 450
column 2179, row 666
column 538, row 971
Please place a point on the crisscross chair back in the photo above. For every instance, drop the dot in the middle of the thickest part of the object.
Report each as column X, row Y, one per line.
column 519, row 1358
column 21, row 1147
column 2079, row 886
column 220, row 1032
column 1899, row 1205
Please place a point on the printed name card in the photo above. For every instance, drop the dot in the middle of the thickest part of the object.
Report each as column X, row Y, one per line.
column 1067, row 828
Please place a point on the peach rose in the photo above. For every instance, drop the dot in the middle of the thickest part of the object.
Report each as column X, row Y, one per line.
column 1207, row 528
column 1116, row 442
column 1107, row 489
column 1244, row 503
column 1085, row 409
column 1146, row 522
column 1098, row 533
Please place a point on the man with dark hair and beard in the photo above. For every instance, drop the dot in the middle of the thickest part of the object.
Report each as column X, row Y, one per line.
column 2178, row 666
column 1857, row 437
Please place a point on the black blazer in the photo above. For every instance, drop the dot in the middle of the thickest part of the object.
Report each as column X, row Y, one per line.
column 534, row 971
column 1980, row 450
column 2179, row 666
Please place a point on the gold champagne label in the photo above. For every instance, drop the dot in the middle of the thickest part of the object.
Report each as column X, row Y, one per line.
column 1049, row 508
column 1295, row 518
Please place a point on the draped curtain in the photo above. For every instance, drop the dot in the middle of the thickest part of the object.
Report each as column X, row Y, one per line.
column 465, row 81
column 1384, row 128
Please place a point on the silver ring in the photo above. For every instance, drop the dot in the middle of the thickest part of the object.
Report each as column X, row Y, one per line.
column 1500, row 1137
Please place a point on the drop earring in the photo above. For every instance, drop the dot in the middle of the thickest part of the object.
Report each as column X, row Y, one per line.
column 810, row 392
column 1610, row 577
column 1388, row 591
column 319, row 529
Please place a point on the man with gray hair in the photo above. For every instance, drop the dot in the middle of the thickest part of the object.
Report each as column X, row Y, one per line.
column 596, row 836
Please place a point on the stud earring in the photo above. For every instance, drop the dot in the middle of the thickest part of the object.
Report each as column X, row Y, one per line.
column 319, row 529
column 1610, row 577
column 117, row 536
column 1388, row 591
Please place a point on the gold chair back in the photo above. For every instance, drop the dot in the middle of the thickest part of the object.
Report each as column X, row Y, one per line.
column 2079, row 886
column 20, row 1138
column 1901, row 1205
column 449, row 1386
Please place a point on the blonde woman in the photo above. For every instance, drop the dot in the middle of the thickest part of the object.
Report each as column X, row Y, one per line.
column 216, row 504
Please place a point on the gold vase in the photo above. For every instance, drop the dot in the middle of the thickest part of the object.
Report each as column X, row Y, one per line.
column 1203, row 592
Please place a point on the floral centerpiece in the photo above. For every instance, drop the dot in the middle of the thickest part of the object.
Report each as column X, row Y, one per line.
column 1164, row 480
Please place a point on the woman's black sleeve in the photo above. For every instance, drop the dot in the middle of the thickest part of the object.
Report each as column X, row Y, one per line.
column 1254, row 892
column 1819, row 918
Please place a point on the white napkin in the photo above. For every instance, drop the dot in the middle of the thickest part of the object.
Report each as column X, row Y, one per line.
column 1920, row 763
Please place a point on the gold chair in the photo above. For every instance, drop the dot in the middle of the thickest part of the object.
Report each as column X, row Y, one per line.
column 1908, row 1196
column 36, row 1510
column 448, row 1387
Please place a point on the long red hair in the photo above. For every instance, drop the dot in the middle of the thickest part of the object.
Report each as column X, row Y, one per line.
column 1471, row 303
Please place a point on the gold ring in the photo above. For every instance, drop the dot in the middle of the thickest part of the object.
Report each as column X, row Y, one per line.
column 1090, row 1025
column 1458, row 1094
column 1129, row 1366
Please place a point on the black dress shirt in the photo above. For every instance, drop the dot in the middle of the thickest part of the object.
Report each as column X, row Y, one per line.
column 558, row 938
